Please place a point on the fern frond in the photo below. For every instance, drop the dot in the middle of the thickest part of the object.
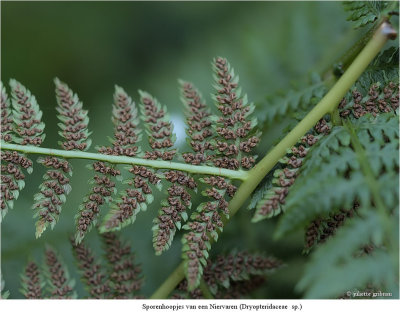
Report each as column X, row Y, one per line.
column 124, row 209
column 321, row 229
column 270, row 198
column 60, row 286
column 74, row 119
column 161, row 140
column 32, row 281
column 314, row 192
column 74, row 130
column 383, row 68
column 55, row 186
column 124, row 275
column 103, row 187
column 271, row 201
column 12, row 178
column 366, row 12
column 158, row 128
column 379, row 99
column 132, row 200
column 6, row 115
column 93, row 276
column 126, row 121
column 173, row 210
column 355, row 165
column 232, row 276
column 53, row 191
column 282, row 105
column 126, row 135
column 234, row 141
column 25, row 128
column 198, row 119
column 238, row 266
column 332, row 158
column 200, row 133
column 337, row 256
column 27, row 115
column 204, row 225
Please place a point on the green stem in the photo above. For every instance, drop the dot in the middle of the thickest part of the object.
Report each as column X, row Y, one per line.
column 115, row 159
column 170, row 283
column 329, row 103
column 335, row 117
column 205, row 290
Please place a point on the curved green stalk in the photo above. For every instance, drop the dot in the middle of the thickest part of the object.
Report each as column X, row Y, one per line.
column 327, row 105
column 205, row 290
column 115, row 159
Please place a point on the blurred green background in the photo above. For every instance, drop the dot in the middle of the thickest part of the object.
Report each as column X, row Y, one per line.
column 149, row 45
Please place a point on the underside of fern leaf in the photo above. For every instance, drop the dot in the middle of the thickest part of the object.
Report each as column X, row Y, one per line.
column 231, row 276
column 55, row 186
column 21, row 125
column 231, row 148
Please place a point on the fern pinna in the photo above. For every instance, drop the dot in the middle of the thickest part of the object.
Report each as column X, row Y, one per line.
column 20, row 123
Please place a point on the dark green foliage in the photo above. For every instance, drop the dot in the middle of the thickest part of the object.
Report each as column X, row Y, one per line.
column 342, row 256
column 366, row 12
column 286, row 103
column 346, row 175
column 340, row 173
column 270, row 200
column 356, row 162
